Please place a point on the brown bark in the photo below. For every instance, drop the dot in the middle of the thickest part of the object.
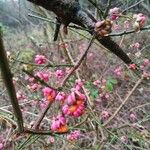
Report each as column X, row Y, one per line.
column 70, row 11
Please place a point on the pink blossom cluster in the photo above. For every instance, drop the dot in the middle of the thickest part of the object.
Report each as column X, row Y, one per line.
column 133, row 117
column 61, row 96
column 140, row 20
column 133, row 66
column 43, row 104
column 74, row 135
column 32, row 85
column 78, row 84
column 40, row 59
column 145, row 68
column 44, row 75
column 20, row 95
column 114, row 13
column 59, row 74
column 49, row 93
column 135, row 45
column 118, row 71
column 58, row 122
column 127, row 24
column 104, row 96
column 75, row 104
column 105, row 115
column 116, row 27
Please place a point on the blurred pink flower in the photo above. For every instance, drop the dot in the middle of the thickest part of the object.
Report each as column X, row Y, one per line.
column 78, row 85
column 114, row 13
column 61, row 96
column 59, row 74
column 132, row 66
column 135, row 45
column 146, row 62
column 1, row 146
column 33, row 87
column 44, row 75
column 43, row 105
column 116, row 27
column 133, row 117
column 51, row 139
column 105, row 115
column 74, row 135
column 40, row 59
column 118, row 71
column 49, row 93
column 57, row 122
column 127, row 25
column 124, row 139
column 141, row 19
column 20, row 95
column 97, row 82
column 71, row 98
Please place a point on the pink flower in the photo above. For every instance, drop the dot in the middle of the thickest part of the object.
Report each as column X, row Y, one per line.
column 40, row 59
column 105, row 115
column 141, row 19
column 33, row 87
column 79, row 84
column 118, row 71
column 146, row 62
column 61, row 96
column 104, row 96
column 116, row 27
column 20, row 95
column 1, row 146
column 127, row 25
column 136, row 45
column 74, row 135
column 57, row 122
column 43, row 105
column 43, row 75
column 51, row 139
column 133, row 117
column 114, row 13
column 49, row 93
column 124, row 139
column 71, row 98
column 97, row 82
column 59, row 74
column 132, row 66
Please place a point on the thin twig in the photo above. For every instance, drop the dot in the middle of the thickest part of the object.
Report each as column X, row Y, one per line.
column 107, row 8
column 125, row 101
column 44, row 132
column 78, row 63
column 129, row 32
column 45, row 66
column 38, row 79
column 132, row 6
column 41, row 116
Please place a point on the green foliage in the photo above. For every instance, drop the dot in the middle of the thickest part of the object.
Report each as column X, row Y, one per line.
column 111, row 82
column 26, row 55
column 94, row 93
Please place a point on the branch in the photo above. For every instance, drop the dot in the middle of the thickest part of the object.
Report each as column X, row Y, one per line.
column 41, row 116
column 78, row 63
column 7, row 77
column 70, row 11
column 129, row 32
column 124, row 102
